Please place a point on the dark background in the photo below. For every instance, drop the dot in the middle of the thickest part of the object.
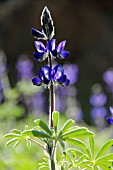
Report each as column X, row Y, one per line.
column 87, row 26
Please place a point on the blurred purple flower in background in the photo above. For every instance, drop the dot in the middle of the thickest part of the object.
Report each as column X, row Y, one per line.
column 67, row 97
column 108, row 79
column 98, row 99
column 98, row 111
column 38, row 102
column 24, row 68
column 71, row 71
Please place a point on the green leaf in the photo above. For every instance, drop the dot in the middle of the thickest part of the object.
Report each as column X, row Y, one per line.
column 80, row 144
column 85, row 163
column 68, row 157
column 104, row 148
column 81, row 159
column 104, row 166
column 35, row 133
column 11, row 135
column 62, row 144
column 55, row 120
column 16, row 131
column 16, row 144
column 91, row 142
column 75, row 152
column 82, row 132
column 66, row 126
column 95, row 167
column 108, row 157
column 43, row 126
column 11, row 141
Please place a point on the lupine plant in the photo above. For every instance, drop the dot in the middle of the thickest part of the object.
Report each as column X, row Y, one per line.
column 52, row 135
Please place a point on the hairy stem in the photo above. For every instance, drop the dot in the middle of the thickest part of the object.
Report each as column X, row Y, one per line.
column 51, row 96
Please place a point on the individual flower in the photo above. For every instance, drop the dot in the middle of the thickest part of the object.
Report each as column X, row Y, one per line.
column 47, row 74
column 57, row 51
column 41, row 53
column 110, row 119
column 52, row 48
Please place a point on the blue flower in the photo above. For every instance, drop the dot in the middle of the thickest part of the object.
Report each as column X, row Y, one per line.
column 110, row 119
column 57, row 51
column 42, row 51
column 46, row 74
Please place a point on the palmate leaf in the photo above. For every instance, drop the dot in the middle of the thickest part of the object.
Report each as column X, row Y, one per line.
column 104, row 148
column 66, row 126
column 43, row 126
column 55, row 120
column 79, row 132
column 80, row 144
column 35, row 133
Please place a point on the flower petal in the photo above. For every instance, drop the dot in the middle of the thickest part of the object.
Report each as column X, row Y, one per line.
column 51, row 45
column 111, row 110
column 66, row 83
column 64, row 54
column 36, row 81
column 46, row 70
column 63, row 80
column 40, row 46
column 54, row 54
column 38, row 56
column 59, row 71
column 37, row 33
column 61, row 46
column 110, row 120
